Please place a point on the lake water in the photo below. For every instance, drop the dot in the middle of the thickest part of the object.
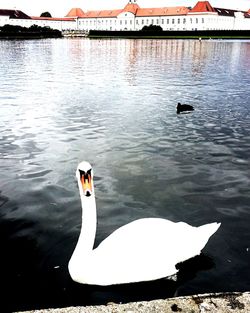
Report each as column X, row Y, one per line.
column 113, row 103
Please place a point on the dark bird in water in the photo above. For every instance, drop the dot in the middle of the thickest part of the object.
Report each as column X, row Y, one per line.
column 183, row 108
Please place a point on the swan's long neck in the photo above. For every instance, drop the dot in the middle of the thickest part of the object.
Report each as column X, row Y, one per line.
column 88, row 229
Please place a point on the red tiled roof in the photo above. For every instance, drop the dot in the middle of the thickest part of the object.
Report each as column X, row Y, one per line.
column 247, row 14
column 163, row 11
column 75, row 12
column 103, row 13
column 138, row 11
column 205, row 6
column 52, row 18
column 201, row 7
column 131, row 7
column 14, row 14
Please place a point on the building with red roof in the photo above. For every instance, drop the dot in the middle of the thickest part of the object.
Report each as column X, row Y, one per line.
column 203, row 16
column 14, row 14
column 17, row 17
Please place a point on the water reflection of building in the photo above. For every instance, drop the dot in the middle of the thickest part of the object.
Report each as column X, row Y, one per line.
column 203, row 16
column 155, row 58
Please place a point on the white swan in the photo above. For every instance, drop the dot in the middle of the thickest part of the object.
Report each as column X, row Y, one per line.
column 143, row 250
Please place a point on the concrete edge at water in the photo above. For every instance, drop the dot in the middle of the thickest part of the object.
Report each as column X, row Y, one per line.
column 168, row 34
column 202, row 303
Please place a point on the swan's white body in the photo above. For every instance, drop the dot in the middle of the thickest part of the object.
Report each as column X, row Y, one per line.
column 143, row 250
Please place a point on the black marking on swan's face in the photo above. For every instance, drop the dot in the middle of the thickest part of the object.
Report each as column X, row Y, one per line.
column 86, row 181
column 85, row 174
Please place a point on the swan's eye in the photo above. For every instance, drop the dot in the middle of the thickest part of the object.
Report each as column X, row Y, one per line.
column 89, row 172
column 82, row 173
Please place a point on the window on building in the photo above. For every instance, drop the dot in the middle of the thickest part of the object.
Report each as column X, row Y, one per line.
column 142, row 21
column 157, row 21
column 130, row 22
column 178, row 21
column 184, row 21
column 137, row 22
column 191, row 21
column 173, row 21
column 120, row 22
column 197, row 20
column 162, row 21
column 152, row 21
column 202, row 20
column 168, row 21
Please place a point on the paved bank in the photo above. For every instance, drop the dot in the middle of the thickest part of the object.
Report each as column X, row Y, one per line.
column 207, row 303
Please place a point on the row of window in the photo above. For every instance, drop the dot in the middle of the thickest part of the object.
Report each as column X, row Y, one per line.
column 94, row 22
column 31, row 22
column 146, row 22
column 169, row 21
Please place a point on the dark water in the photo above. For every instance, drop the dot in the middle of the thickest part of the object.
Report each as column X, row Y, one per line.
column 112, row 102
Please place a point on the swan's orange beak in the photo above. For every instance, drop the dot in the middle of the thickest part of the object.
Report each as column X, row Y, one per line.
column 86, row 182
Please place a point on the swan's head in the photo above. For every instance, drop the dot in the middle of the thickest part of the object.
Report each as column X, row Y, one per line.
column 84, row 175
column 178, row 107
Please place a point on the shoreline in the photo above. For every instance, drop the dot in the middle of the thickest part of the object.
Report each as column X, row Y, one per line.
column 235, row 302
column 12, row 32
column 196, row 34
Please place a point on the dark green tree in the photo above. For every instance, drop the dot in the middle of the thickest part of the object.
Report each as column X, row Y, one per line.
column 152, row 28
column 46, row 14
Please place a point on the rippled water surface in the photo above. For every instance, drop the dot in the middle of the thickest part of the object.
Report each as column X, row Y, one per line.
column 112, row 102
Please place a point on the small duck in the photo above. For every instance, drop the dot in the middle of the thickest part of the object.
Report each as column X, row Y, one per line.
column 183, row 108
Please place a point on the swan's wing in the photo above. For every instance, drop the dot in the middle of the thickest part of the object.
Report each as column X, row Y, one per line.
column 142, row 231
column 154, row 234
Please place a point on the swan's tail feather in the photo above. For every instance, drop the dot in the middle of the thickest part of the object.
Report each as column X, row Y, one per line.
column 206, row 231
column 210, row 228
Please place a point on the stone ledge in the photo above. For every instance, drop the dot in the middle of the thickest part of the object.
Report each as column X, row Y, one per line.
column 235, row 302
